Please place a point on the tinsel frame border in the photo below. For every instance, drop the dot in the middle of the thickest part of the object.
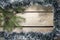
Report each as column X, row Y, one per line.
column 56, row 31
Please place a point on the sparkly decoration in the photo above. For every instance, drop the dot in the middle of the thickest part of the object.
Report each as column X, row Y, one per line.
column 6, row 4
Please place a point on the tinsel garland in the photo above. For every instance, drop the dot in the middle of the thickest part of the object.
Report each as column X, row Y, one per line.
column 33, row 35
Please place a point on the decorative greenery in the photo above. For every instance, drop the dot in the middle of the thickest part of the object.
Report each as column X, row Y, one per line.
column 8, row 18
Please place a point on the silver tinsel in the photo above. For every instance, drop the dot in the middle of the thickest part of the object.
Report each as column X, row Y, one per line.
column 32, row 35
